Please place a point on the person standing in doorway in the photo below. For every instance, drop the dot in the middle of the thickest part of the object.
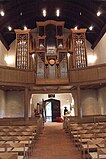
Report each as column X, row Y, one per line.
column 65, row 110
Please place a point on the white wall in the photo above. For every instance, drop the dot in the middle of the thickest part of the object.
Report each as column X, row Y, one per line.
column 98, row 55
column 90, row 54
column 100, row 51
column 15, row 104
column 93, row 101
column 12, row 55
column 3, row 53
column 89, row 102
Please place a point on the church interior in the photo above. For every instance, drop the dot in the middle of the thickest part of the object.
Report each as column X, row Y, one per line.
column 53, row 75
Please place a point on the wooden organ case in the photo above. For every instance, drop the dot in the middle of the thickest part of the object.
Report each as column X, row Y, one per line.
column 46, row 48
column 22, row 48
column 78, row 44
column 51, row 50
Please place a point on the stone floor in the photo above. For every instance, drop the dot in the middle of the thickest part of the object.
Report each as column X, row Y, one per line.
column 54, row 143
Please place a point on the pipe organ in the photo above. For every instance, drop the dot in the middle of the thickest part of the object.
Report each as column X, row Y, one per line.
column 50, row 49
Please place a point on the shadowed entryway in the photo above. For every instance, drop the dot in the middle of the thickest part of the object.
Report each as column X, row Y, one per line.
column 54, row 143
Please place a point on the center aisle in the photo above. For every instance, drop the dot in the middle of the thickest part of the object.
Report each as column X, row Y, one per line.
column 53, row 143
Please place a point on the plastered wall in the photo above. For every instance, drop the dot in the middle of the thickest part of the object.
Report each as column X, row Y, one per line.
column 100, row 51
column 3, row 53
column 89, row 102
column 14, row 104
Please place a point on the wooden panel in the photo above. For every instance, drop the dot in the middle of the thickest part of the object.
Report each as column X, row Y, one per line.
column 12, row 75
column 73, row 76
column 102, row 72
column 52, row 82
column 89, row 74
column 19, row 121
column 18, row 76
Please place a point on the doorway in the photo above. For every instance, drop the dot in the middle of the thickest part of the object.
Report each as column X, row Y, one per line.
column 52, row 110
column 49, row 112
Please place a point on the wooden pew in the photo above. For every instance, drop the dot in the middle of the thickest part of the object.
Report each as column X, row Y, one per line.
column 9, row 156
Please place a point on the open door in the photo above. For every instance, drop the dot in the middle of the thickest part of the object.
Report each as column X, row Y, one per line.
column 54, row 107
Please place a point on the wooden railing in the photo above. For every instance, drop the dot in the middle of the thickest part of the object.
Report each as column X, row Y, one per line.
column 89, row 74
column 21, row 121
column 17, row 76
column 85, row 119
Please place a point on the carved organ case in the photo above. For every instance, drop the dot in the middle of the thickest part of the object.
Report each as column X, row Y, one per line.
column 51, row 50
column 79, row 48
column 22, row 48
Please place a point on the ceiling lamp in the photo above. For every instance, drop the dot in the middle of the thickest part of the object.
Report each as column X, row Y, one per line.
column 9, row 28
column 44, row 12
column 98, row 13
column 80, row 13
column 76, row 27
column 20, row 13
column 2, row 13
column 57, row 12
column 91, row 27
column 25, row 27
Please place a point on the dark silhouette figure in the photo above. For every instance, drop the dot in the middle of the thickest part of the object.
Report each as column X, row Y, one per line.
column 65, row 110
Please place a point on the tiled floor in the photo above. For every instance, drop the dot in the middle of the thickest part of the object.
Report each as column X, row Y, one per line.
column 54, row 143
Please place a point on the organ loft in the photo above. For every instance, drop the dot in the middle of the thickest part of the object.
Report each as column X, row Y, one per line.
column 51, row 50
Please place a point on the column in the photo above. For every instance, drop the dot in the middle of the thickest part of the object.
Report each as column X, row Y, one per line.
column 26, row 103
column 79, row 102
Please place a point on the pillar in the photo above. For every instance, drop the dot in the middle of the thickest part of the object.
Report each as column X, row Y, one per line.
column 79, row 102
column 26, row 103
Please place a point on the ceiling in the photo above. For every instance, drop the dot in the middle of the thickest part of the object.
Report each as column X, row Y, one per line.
column 73, row 12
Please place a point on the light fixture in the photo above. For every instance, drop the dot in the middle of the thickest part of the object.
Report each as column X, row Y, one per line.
column 92, row 59
column 41, row 46
column 76, row 27
column 20, row 13
column 2, row 13
column 91, row 27
column 98, row 13
column 44, row 12
column 9, row 28
column 68, row 54
column 57, row 12
column 25, row 27
column 80, row 13
column 9, row 60
column 60, row 45
column 33, row 55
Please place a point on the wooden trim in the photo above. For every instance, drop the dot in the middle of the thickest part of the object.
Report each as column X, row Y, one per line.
column 19, row 31
column 50, row 22
column 78, row 30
